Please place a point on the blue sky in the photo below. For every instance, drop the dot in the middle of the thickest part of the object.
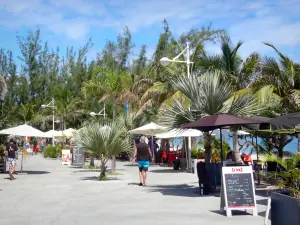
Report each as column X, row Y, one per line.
column 72, row 22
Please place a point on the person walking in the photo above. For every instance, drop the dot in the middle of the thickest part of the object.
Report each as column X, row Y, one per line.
column 11, row 155
column 142, row 155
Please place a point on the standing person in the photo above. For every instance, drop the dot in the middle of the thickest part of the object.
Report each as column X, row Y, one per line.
column 11, row 155
column 142, row 154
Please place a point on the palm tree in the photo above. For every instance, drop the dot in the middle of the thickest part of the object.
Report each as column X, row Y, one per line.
column 103, row 142
column 208, row 94
column 233, row 68
column 284, row 78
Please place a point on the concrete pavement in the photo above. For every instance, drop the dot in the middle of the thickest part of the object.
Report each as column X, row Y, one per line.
column 53, row 194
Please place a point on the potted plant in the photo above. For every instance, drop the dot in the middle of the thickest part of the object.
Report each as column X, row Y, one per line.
column 285, row 204
column 2, row 159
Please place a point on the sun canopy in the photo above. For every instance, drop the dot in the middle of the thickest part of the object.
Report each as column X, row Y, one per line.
column 24, row 131
column 51, row 133
column 66, row 133
column 148, row 129
column 209, row 123
column 180, row 133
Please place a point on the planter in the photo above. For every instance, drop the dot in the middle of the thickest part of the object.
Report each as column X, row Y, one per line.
column 2, row 165
column 183, row 164
column 285, row 210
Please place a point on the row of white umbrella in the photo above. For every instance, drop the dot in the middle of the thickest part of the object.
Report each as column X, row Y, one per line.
column 154, row 129
column 28, row 131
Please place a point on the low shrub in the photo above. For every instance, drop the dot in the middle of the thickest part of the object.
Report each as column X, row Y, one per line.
column 52, row 151
column 2, row 151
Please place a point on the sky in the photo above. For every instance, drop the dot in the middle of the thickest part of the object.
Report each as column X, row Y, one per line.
column 72, row 22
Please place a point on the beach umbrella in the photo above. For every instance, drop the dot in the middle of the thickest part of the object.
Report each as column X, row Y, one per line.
column 149, row 129
column 24, row 131
column 180, row 133
column 66, row 133
column 210, row 123
column 51, row 133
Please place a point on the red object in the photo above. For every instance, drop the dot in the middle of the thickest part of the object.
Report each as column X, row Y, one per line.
column 35, row 148
column 163, row 156
column 171, row 157
column 247, row 158
column 237, row 169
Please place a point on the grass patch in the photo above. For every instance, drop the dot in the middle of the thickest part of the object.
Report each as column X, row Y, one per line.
column 113, row 173
column 103, row 178
column 91, row 167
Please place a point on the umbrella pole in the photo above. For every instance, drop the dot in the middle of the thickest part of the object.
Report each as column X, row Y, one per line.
column 152, row 146
column 186, row 153
column 23, row 157
column 258, row 178
column 189, row 151
column 221, row 144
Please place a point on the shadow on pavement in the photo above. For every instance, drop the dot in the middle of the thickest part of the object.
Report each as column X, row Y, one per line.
column 262, row 202
column 234, row 213
column 167, row 171
column 95, row 178
column 133, row 165
column 182, row 190
column 36, row 172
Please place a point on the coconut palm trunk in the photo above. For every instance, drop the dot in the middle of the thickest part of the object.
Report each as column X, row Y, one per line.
column 92, row 161
column 236, row 151
column 207, row 147
column 113, row 163
column 102, row 168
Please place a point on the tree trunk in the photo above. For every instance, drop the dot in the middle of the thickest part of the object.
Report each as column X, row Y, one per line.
column 207, row 147
column 102, row 169
column 236, row 151
column 113, row 163
column 92, row 161
column 298, row 142
column 194, row 143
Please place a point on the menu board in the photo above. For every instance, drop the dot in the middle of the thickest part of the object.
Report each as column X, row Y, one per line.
column 65, row 157
column 77, row 156
column 238, row 188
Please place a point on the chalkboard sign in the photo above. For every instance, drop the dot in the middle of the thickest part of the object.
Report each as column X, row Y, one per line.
column 238, row 188
column 77, row 156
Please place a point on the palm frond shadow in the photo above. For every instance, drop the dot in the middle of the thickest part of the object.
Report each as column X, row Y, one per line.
column 182, row 190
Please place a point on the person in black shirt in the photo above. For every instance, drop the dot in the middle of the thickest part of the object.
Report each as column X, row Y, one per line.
column 142, row 154
column 11, row 156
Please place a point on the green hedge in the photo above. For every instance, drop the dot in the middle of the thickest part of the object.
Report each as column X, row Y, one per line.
column 52, row 151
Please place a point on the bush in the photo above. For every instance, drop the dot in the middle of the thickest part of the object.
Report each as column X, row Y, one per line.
column 2, row 151
column 52, row 151
column 289, row 176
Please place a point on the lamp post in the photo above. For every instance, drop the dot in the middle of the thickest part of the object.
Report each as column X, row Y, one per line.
column 53, row 111
column 101, row 113
column 166, row 61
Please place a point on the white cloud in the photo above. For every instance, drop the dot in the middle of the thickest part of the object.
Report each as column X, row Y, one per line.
column 250, row 21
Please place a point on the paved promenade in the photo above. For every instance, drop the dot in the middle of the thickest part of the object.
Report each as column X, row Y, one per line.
column 52, row 194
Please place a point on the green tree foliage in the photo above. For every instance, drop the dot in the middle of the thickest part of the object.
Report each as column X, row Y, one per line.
column 103, row 142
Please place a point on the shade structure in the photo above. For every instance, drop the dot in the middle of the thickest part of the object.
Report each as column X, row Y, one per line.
column 180, row 133
column 148, row 129
column 51, row 133
column 289, row 121
column 227, row 131
column 24, row 131
column 66, row 133
column 209, row 123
